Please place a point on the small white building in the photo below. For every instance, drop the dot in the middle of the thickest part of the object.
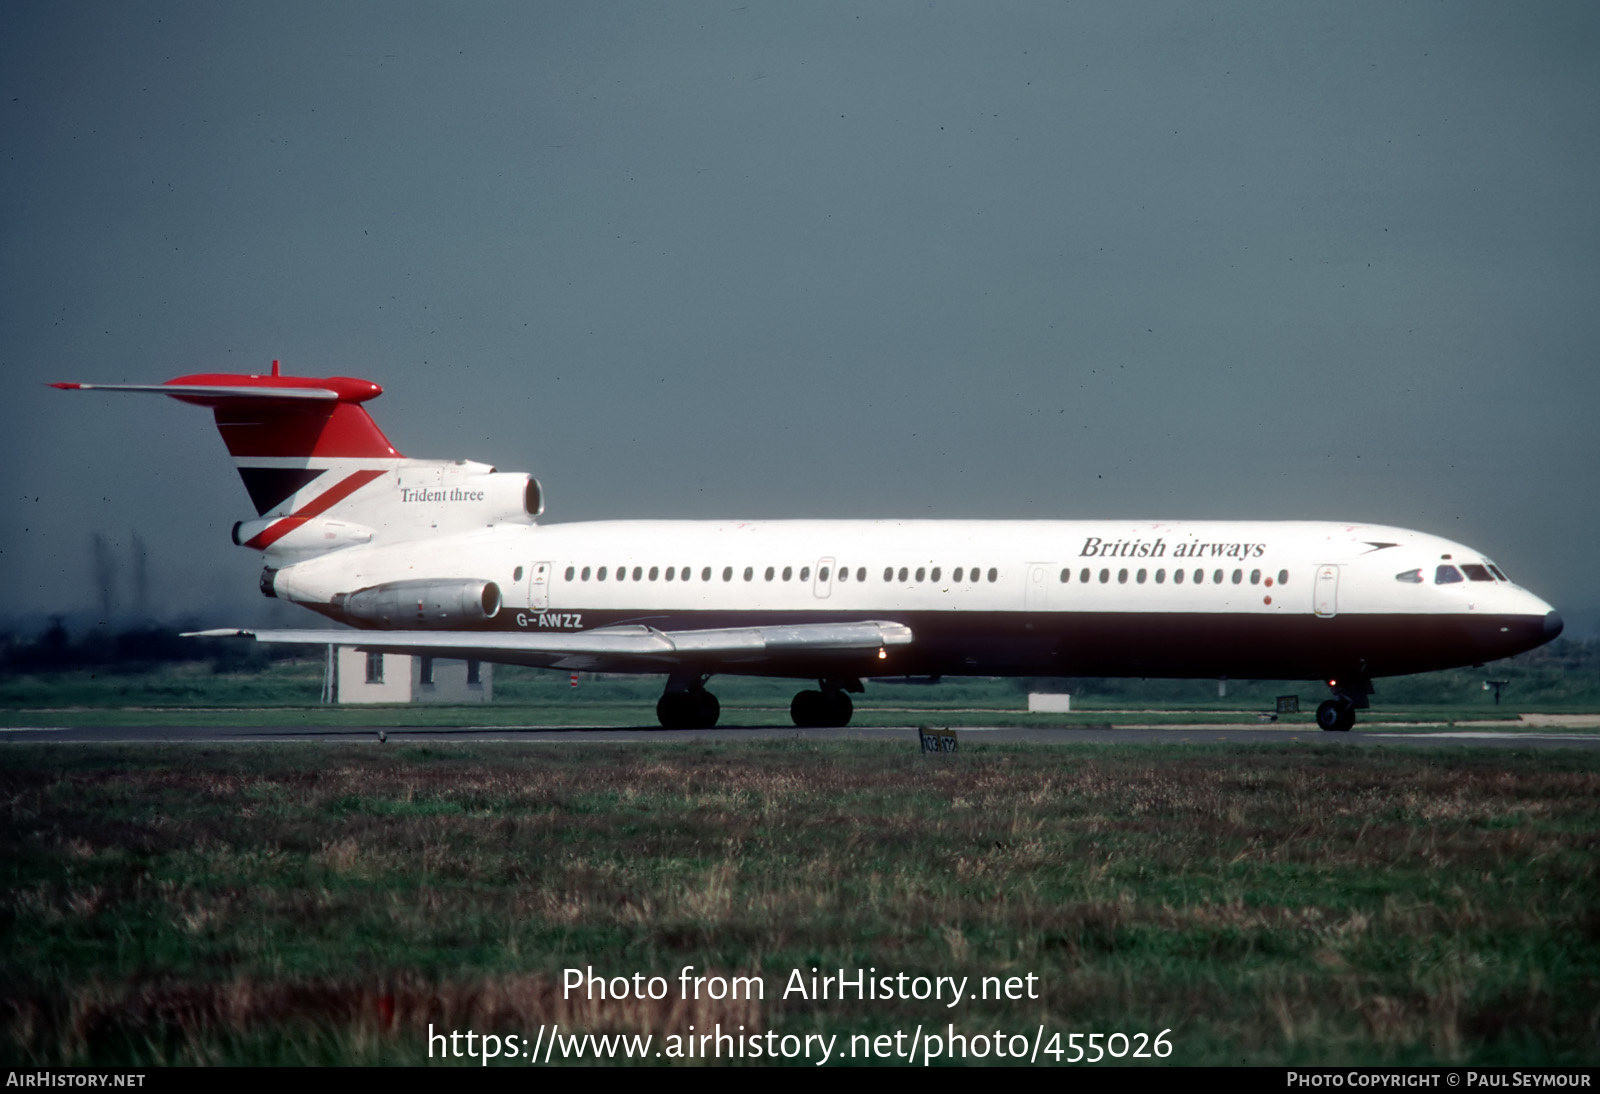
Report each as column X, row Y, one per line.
column 359, row 677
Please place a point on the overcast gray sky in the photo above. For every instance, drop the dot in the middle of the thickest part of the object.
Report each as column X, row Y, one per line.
column 1243, row 260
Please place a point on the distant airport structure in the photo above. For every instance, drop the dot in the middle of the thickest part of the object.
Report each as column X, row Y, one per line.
column 358, row 677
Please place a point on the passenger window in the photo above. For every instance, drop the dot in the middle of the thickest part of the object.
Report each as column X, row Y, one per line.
column 994, row 574
column 638, row 571
column 1083, row 575
column 749, row 573
column 1122, row 577
column 586, row 573
column 1446, row 575
column 922, row 572
column 1177, row 577
column 822, row 575
column 805, row 573
column 1255, row 577
column 622, row 573
column 888, row 573
column 672, row 570
column 1066, row 576
column 973, row 575
column 516, row 575
column 1238, row 576
column 956, row 577
column 1475, row 572
column 935, row 574
column 788, row 573
column 570, row 571
column 727, row 573
column 1283, row 577
column 861, row 573
column 1140, row 576
column 1105, row 576
column 1410, row 577
column 655, row 572
column 769, row 573
column 902, row 573
column 1199, row 577
column 1216, row 577
column 601, row 576
column 1161, row 577
column 844, row 573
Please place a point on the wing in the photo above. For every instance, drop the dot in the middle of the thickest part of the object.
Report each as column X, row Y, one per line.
column 773, row 650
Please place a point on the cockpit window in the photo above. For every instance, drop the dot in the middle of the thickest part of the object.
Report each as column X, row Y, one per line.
column 1410, row 577
column 1498, row 572
column 1476, row 572
column 1446, row 575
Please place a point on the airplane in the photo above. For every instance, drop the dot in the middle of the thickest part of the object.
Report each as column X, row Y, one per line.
column 447, row 558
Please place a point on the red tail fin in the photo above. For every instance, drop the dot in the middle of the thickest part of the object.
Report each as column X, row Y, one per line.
column 282, row 431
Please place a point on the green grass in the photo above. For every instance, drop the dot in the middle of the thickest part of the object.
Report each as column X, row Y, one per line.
column 326, row 903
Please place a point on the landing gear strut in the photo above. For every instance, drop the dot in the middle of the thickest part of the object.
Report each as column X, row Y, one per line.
column 1338, row 714
column 828, row 707
column 686, row 704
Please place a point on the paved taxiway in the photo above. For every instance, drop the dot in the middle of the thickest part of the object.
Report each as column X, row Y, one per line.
column 1171, row 735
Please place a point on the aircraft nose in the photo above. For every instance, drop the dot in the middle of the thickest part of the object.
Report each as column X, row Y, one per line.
column 1552, row 625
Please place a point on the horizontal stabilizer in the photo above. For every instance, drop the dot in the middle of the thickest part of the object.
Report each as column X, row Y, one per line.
column 214, row 391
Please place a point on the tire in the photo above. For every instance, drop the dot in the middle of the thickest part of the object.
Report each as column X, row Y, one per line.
column 808, row 710
column 1331, row 712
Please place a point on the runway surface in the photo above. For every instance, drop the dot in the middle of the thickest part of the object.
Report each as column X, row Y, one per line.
column 1501, row 736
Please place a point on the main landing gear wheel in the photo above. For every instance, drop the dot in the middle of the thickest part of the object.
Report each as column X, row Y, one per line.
column 815, row 709
column 1335, row 716
column 693, row 709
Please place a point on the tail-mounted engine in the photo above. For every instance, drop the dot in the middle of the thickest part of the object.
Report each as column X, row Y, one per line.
column 421, row 605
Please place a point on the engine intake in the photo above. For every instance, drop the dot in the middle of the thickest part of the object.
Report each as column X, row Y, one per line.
column 422, row 604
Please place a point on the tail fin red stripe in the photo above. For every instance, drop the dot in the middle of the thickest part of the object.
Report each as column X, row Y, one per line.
column 319, row 505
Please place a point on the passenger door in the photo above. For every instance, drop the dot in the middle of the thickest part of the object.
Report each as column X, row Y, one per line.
column 1326, row 592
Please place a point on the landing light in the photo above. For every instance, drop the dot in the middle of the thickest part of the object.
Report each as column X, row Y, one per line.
column 883, row 654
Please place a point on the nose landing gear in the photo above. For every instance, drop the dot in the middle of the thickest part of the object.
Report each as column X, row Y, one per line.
column 1338, row 714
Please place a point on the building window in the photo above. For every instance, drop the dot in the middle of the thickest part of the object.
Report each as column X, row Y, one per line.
column 374, row 668
column 474, row 676
column 425, row 673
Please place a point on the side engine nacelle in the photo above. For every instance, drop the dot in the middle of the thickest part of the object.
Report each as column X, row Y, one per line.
column 422, row 604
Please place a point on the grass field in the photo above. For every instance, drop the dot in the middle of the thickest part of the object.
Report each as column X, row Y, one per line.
column 325, row 904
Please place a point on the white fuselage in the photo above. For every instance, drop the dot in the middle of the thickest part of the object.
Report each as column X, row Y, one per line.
column 1147, row 598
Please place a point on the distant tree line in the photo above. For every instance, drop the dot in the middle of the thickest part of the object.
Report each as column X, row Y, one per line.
column 131, row 648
